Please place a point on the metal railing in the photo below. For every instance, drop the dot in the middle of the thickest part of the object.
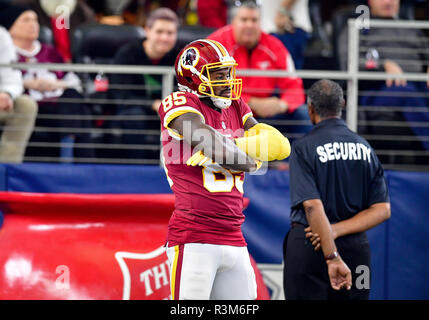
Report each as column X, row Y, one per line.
column 352, row 76
column 401, row 156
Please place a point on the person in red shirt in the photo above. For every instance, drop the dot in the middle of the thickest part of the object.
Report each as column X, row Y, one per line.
column 268, row 97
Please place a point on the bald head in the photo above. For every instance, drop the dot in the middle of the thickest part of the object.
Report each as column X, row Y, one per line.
column 326, row 98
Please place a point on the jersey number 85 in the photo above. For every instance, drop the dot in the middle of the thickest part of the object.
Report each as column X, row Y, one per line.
column 218, row 179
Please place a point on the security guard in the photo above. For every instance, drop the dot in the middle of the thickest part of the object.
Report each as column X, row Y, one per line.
column 338, row 191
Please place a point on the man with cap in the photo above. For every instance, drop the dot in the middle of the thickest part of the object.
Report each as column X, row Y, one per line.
column 46, row 87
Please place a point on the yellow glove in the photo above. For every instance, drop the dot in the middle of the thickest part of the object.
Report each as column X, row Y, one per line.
column 265, row 143
column 197, row 159
column 258, row 128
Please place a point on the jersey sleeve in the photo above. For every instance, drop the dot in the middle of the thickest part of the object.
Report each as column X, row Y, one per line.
column 173, row 106
column 245, row 111
column 302, row 178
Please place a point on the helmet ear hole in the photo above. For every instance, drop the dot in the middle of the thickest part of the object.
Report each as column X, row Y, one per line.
column 189, row 79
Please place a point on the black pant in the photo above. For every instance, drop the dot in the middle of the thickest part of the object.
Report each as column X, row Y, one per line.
column 305, row 274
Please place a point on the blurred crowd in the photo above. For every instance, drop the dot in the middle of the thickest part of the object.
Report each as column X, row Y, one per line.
column 45, row 114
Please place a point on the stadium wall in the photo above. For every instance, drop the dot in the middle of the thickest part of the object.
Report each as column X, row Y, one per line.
column 400, row 255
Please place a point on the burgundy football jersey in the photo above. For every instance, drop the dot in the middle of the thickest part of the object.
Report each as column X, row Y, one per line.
column 208, row 198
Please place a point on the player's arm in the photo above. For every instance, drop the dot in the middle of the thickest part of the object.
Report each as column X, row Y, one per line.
column 250, row 122
column 213, row 144
column 263, row 142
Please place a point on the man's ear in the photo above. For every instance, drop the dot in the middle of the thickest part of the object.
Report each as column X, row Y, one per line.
column 310, row 108
column 312, row 113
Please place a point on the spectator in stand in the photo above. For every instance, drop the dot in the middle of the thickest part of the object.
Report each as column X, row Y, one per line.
column 48, row 88
column 278, row 98
column 394, row 51
column 62, row 17
column 17, row 112
column 157, row 49
column 289, row 21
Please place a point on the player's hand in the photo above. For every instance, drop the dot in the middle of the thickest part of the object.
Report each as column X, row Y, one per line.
column 258, row 128
column 197, row 159
column 264, row 144
column 339, row 274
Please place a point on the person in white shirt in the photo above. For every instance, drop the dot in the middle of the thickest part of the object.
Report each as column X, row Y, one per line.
column 17, row 111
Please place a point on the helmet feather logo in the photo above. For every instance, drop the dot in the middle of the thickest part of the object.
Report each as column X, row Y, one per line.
column 190, row 58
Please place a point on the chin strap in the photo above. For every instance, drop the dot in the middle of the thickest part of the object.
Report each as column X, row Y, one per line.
column 221, row 103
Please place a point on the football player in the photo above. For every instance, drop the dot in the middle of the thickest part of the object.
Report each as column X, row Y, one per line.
column 210, row 138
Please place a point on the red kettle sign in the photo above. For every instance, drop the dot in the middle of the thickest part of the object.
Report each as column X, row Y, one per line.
column 146, row 275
